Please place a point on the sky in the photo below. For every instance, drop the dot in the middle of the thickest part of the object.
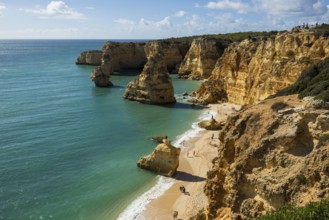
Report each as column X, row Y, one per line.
column 152, row 19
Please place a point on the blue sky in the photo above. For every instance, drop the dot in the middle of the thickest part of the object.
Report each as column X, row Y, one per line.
column 151, row 19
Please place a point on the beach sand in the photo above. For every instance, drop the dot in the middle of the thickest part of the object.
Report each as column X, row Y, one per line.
column 195, row 160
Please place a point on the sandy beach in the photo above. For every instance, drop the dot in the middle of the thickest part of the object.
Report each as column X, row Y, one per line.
column 195, row 160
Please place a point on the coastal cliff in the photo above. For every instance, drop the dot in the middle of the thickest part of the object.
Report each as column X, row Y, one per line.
column 251, row 70
column 271, row 154
column 153, row 85
column 91, row 57
column 201, row 58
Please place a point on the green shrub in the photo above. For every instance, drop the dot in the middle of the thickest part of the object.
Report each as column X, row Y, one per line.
column 324, row 138
column 313, row 211
column 314, row 81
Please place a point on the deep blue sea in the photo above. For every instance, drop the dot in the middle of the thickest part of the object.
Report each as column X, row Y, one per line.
column 68, row 150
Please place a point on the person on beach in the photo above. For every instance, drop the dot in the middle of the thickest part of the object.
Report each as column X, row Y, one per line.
column 175, row 215
column 212, row 136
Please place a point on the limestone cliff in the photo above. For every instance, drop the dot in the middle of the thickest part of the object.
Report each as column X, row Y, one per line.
column 163, row 160
column 153, row 85
column 118, row 56
column 92, row 57
column 174, row 53
column 201, row 58
column 271, row 154
column 253, row 69
column 123, row 55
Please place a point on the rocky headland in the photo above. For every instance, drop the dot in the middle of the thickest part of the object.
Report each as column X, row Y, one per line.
column 91, row 57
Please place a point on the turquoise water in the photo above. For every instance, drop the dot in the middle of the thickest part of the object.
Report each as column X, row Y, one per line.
column 67, row 149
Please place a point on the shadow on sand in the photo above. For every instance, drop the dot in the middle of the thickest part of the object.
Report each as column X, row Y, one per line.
column 187, row 177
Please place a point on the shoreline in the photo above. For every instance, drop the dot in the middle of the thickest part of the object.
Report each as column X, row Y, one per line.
column 198, row 150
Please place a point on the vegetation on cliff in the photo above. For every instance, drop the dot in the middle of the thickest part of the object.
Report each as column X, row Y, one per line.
column 314, row 81
column 313, row 211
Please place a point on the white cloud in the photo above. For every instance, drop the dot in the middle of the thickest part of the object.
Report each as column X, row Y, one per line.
column 181, row 13
column 56, row 9
column 291, row 8
column 124, row 21
column 2, row 8
column 165, row 22
column 229, row 4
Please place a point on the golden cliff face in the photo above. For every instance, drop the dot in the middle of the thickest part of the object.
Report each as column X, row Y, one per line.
column 153, row 85
column 253, row 69
column 271, row 154
column 201, row 58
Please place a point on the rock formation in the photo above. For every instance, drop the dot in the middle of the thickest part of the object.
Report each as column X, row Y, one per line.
column 201, row 58
column 101, row 77
column 92, row 57
column 153, row 85
column 253, row 69
column 271, row 154
column 211, row 124
column 163, row 160
column 123, row 55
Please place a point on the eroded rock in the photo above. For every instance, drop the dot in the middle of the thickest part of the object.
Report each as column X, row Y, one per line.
column 153, row 85
column 164, row 160
column 268, row 159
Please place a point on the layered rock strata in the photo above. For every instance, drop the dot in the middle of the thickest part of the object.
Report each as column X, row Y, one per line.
column 201, row 58
column 92, row 57
column 271, row 154
column 164, row 160
column 153, row 85
column 253, row 69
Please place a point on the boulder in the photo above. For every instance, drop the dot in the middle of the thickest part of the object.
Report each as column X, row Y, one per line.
column 211, row 124
column 164, row 160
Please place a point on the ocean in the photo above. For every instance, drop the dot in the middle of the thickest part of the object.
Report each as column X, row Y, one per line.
column 68, row 150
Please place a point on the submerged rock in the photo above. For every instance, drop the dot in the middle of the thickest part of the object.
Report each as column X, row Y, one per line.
column 153, row 85
column 164, row 160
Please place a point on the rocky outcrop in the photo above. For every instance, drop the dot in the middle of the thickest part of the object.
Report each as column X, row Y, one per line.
column 211, row 124
column 101, row 77
column 92, row 57
column 201, row 58
column 253, row 69
column 153, row 85
column 164, row 160
column 271, row 154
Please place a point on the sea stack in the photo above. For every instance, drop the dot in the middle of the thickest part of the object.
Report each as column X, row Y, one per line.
column 153, row 85
column 164, row 160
